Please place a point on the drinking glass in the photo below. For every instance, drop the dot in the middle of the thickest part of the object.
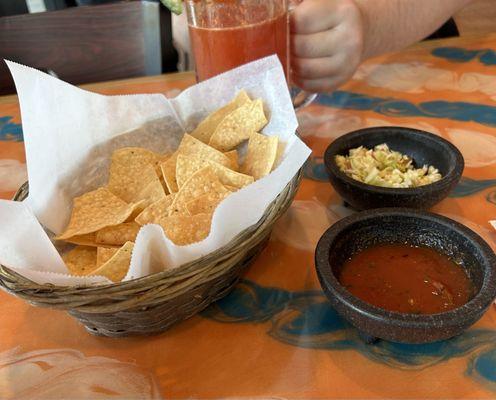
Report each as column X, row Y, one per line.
column 225, row 34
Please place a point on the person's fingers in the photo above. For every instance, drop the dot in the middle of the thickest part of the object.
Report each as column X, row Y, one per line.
column 326, row 43
column 314, row 68
column 313, row 16
column 320, row 85
column 316, row 45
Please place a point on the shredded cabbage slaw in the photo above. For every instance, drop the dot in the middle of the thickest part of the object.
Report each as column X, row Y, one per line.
column 384, row 167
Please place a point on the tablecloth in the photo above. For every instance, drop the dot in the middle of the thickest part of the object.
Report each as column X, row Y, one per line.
column 275, row 335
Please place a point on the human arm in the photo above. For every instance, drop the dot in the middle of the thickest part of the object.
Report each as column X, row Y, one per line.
column 330, row 38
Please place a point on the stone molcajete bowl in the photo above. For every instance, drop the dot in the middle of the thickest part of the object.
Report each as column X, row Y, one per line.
column 419, row 228
column 423, row 147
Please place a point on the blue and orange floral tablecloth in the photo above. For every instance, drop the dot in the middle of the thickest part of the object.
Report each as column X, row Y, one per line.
column 275, row 336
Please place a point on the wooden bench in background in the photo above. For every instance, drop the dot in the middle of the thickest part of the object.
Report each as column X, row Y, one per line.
column 86, row 44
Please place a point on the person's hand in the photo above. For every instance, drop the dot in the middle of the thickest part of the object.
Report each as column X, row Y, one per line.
column 326, row 43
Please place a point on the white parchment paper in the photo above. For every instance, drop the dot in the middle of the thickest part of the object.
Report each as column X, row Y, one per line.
column 70, row 134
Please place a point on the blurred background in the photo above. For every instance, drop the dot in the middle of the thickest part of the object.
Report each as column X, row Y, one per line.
column 85, row 41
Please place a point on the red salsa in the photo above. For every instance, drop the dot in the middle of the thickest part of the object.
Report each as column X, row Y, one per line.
column 398, row 277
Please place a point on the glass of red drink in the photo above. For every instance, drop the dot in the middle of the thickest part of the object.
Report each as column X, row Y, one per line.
column 225, row 34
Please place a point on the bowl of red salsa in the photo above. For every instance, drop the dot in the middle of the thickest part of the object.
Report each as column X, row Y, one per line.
column 406, row 275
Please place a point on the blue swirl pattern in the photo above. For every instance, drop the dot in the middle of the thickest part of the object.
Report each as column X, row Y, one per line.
column 461, row 55
column 391, row 107
column 306, row 319
column 10, row 131
column 469, row 186
column 314, row 169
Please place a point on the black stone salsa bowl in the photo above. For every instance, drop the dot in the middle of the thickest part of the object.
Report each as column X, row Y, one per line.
column 418, row 228
column 423, row 147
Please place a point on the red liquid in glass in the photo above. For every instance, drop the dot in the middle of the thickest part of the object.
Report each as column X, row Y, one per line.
column 220, row 49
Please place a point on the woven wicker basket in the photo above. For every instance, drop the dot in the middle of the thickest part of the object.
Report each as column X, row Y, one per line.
column 153, row 303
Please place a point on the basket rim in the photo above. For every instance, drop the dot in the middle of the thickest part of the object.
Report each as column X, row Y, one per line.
column 187, row 268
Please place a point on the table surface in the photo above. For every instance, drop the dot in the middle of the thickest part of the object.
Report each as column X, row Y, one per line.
column 275, row 335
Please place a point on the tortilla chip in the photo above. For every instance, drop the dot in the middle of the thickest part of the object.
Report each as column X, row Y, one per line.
column 83, row 240
column 201, row 182
column 232, row 189
column 160, row 159
column 155, row 211
column 81, row 260
column 131, row 171
column 117, row 235
column 128, row 181
column 205, row 204
column 238, row 125
column 207, row 127
column 281, row 146
column 103, row 254
column 183, row 229
column 261, row 155
column 193, row 147
column 138, row 208
column 162, row 182
column 232, row 178
column 134, row 155
column 169, row 173
column 187, row 166
column 95, row 210
column 117, row 266
column 233, row 156
column 151, row 193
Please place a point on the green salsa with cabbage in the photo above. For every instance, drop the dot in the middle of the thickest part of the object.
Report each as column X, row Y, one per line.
column 384, row 167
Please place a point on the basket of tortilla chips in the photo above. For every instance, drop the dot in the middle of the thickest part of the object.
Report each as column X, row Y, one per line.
column 179, row 191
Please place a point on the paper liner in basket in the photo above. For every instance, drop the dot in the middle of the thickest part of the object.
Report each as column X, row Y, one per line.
column 70, row 135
